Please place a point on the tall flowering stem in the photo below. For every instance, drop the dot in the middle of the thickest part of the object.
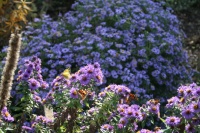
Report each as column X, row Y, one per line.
column 9, row 69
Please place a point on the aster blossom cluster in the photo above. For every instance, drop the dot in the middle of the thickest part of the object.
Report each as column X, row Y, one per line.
column 27, row 93
column 186, row 109
column 78, row 83
column 31, row 127
column 83, row 103
column 30, row 74
column 138, row 44
column 79, row 105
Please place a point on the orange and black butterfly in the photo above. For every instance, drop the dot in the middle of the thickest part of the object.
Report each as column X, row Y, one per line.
column 131, row 97
column 83, row 94
column 154, row 101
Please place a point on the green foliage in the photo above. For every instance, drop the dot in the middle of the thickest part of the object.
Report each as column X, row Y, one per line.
column 179, row 5
column 52, row 7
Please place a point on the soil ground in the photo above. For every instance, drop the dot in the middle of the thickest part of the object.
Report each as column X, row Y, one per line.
column 190, row 23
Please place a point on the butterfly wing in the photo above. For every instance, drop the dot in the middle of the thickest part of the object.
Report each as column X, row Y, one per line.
column 130, row 98
column 83, row 94
column 66, row 73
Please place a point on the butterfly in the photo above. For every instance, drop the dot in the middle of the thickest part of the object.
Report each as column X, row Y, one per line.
column 66, row 73
column 130, row 98
column 154, row 101
column 83, row 94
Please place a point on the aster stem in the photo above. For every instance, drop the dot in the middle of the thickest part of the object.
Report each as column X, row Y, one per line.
column 9, row 68
column 71, row 122
column 19, row 129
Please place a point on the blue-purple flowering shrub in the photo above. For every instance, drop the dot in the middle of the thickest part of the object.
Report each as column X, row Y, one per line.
column 138, row 44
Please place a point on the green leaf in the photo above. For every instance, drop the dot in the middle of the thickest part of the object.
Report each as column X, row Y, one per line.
column 167, row 131
column 87, row 105
column 17, row 108
column 162, row 120
column 152, row 121
column 143, row 124
column 17, row 115
column 9, row 129
column 1, row 131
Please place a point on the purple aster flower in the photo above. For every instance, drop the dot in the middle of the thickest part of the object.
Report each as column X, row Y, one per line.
column 91, row 95
column 111, row 88
column 33, row 84
column 120, row 126
column 155, row 50
column 90, row 70
column 92, row 110
column 98, row 77
column 6, row 115
column 84, row 79
column 135, row 107
column 196, row 91
column 73, row 78
column 49, row 96
column 122, row 90
column 30, row 66
column 190, row 129
column 193, row 85
column 123, row 121
column 188, row 91
column 138, row 115
column 155, row 109
column 43, row 119
column 129, row 112
column 187, row 113
column 181, row 90
column 44, row 85
column 135, row 126
column 145, row 131
column 122, row 109
column 107, row 127
column 28, row 71
column 195, row 107
column 172, row 121
column 195, row 121
column 39, row 77
column 37, row 99
column 25, row 76
column 172, row 101
column 27, row 126
column 102, row 94
column 74, row 93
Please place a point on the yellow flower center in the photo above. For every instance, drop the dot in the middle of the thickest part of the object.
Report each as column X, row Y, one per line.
column 172, row 120
column 7, row 114
column 120, row 89
column 74, row 93
column 196, row 106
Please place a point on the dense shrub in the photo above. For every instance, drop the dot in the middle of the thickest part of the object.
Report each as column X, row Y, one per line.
column 138, row 44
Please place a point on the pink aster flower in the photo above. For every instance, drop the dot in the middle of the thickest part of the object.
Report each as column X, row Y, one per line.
column 187, row 113
column 6, row 115
column 172, row 121
column 74, row 93
column 33, row 84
